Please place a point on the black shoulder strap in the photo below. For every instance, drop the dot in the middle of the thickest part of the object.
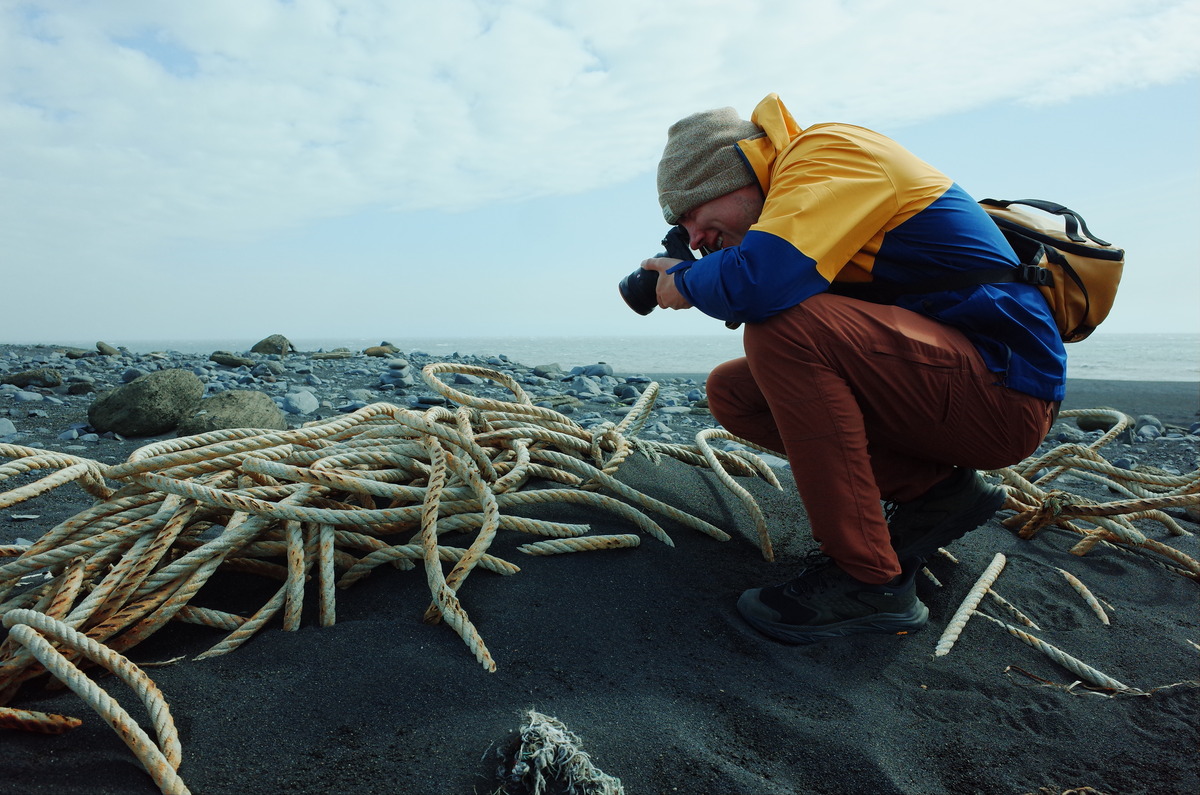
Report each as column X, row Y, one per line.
column 887, row 293
column 1074, row 220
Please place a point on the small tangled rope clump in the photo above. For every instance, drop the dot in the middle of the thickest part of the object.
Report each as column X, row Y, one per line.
column 328, row 503
column 549, row 758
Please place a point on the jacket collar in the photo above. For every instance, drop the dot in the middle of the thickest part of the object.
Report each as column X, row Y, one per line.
column 779, row 129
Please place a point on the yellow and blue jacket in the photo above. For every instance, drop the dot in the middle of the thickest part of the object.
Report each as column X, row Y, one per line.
column 847, row 204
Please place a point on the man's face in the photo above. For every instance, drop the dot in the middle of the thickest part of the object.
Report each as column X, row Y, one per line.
column 723, row 221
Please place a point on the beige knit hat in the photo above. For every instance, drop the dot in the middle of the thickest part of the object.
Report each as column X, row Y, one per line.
column 701, row 161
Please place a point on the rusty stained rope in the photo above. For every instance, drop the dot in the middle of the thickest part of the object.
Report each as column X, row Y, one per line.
column 321, row 505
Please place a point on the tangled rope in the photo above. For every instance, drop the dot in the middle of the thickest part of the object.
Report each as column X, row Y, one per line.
column 326, row 503
column 549, row 758
column 1037, row 505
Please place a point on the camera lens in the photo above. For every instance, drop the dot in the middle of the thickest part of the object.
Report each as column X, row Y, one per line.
column 639, row 290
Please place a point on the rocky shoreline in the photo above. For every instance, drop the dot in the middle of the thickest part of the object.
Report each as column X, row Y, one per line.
column 50, row 397
column 47, row 392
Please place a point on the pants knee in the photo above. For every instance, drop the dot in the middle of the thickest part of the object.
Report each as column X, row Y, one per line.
column 725, row 382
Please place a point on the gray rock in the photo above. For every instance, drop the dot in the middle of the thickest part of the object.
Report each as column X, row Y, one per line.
column 336, row 353
column 107, row 350
column 6, row 427
column 230, row 360
column 302, row 402
column 1070, row 435
column 268, row 368
column 132, row 374
column 548, row 371
column 397, row 379
column 1095, row 423
column 147, row 406
column 1148, row 427
column 422, row 402
column 593, row 370
column 28, row 397
column 276, row 344
column 236, row 408
column 44, row 377
column 627, row 392
column 584, row 386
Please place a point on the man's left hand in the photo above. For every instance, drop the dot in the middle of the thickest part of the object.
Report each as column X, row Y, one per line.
column 668, row 295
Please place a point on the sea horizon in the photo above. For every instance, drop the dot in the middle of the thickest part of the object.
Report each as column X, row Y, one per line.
column 1119, row 357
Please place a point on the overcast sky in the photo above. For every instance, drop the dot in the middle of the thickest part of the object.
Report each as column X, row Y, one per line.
column 226, row 168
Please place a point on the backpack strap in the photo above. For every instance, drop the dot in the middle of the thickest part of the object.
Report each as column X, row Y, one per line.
column 1074, row 221
column 877, row 293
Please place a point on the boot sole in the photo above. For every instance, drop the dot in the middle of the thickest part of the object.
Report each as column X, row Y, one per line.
column 881, row 623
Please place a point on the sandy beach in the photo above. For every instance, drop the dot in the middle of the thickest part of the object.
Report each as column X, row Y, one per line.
column 641, row 653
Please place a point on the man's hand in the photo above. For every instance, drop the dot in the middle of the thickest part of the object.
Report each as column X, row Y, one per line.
column 668, row 296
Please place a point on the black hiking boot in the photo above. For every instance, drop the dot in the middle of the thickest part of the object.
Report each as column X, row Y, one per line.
column 824, row 602
column 947, row 512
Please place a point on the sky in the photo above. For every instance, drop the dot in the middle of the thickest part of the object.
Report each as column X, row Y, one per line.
column 398, row 169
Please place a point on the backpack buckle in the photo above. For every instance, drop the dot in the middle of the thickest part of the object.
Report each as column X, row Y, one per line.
column 1037, row 275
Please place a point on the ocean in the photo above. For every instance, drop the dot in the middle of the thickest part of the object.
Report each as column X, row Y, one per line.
column 1119, row 357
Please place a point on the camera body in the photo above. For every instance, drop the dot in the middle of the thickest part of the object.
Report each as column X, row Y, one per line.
column 639, row 288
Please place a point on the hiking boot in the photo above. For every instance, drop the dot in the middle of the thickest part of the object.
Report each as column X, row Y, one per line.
column 825, row 602
column 947, row 512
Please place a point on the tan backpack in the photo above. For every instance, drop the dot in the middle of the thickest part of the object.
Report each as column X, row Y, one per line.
column 1076, row 271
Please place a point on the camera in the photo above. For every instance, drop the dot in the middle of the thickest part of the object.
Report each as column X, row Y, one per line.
column 638, row 288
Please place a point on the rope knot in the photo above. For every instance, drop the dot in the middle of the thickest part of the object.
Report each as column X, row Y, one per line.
column 604, row 437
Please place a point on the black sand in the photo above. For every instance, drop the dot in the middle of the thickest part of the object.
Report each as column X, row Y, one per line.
column 642, row 654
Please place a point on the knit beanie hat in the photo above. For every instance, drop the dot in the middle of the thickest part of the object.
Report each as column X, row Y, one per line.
column 701, row 161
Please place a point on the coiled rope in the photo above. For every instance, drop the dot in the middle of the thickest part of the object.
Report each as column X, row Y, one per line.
column 321, row 502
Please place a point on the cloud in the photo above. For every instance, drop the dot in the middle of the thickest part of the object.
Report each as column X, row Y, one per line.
column 135, row 122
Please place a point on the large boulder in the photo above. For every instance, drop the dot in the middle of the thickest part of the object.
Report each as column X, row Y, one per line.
column 44, row 377
column 274, row 344
column 149, row 405
column 235, row 408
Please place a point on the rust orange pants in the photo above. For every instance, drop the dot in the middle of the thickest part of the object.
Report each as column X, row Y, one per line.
column 870, row 402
